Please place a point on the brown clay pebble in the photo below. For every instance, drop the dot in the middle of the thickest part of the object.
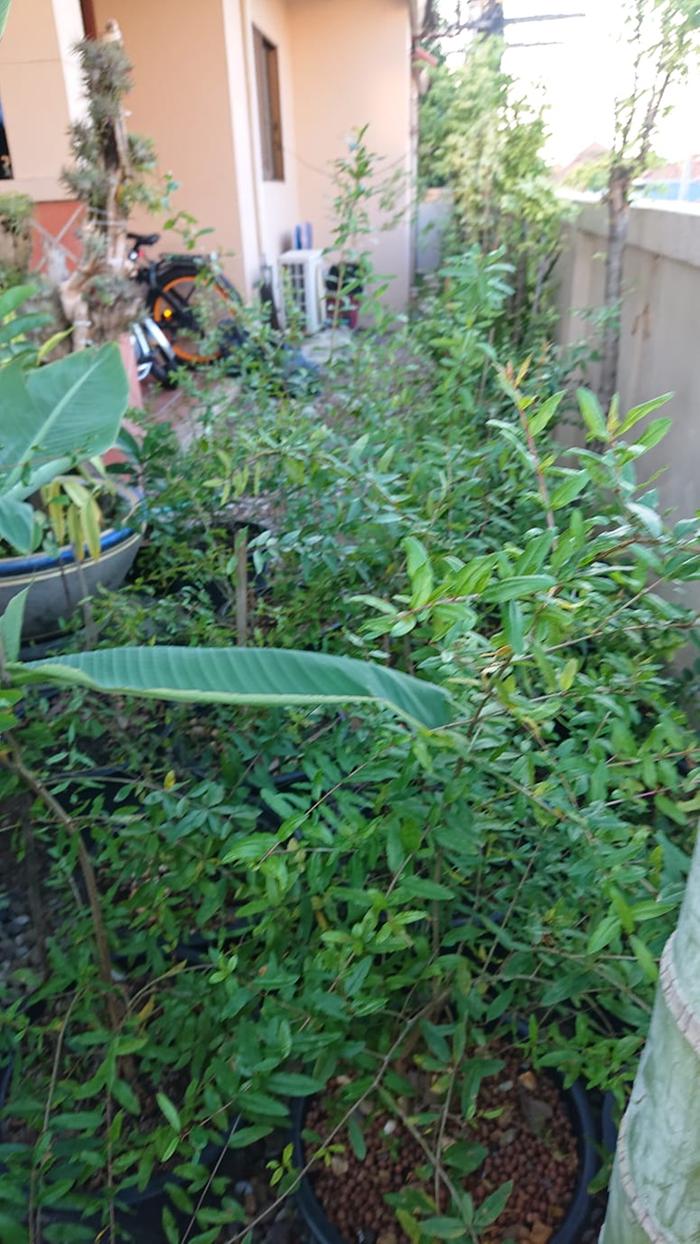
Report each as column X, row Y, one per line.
column 530, row 1141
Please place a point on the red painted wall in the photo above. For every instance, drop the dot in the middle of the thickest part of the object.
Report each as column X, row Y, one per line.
column 61, row 221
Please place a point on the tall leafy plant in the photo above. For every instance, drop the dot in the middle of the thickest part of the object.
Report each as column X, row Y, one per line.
column 662, row 35
column 484, row 142
column 110, row 173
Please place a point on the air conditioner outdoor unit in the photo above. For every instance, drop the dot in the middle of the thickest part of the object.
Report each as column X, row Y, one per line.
column 300, row 275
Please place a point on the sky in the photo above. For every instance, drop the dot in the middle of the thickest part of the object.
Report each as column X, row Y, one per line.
column 580, row 78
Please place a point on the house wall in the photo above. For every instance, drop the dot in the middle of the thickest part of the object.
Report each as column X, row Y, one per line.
column 341, row 63
column 659, row 350
column 181, row 99
column 40, row 91
column 352, row 64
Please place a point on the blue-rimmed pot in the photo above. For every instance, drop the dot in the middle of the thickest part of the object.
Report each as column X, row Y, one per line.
column 57, row 582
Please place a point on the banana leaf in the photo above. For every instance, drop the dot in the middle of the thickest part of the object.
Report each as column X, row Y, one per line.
column 265, row 676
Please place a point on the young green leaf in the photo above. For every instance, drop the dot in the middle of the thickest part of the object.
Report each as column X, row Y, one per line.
column 420, row 572
column 169, row 1111
column 514, row 627
column 409, row 1224
column 442, row 1228
column 125, row 1095
column 261, row 1103
column 246, row 1136
column 416, row 555
column 170, row 1229
column 655, row 432
column 518, row 586
column 465, row 1156
column 491, row 1208
column 593, row 416
column 538, row 422
column 293, row 1084
column 422, row 887
column 604, row 933
column 357, row 1139
column 11, row 625
column 645, row 408
column 644, row 958
column 568, row 490
column 567, row 674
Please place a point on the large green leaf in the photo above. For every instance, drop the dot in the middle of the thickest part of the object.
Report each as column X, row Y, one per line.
column 14, row 297
column 71, row 408
column 4, row 10
column 11, row 625
column 271, row 676
column 16, row 524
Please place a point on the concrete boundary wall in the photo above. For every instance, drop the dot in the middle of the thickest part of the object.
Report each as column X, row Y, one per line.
column 660, row 339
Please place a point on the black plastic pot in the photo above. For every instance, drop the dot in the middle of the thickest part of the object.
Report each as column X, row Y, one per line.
column 257, row 580
column 577, row 1214
column 608, row 1126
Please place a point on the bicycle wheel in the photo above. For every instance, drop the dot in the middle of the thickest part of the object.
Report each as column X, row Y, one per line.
column 199, row 313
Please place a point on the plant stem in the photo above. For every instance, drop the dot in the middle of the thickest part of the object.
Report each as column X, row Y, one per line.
column 35, row 1228
column 433, row 1158
column 34, row 783
column 241, row 549
column 34, row 886
column 618, row 224
column 86, row 606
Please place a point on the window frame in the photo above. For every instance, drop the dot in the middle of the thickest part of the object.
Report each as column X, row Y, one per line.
column 269, row 106
column 6, row 170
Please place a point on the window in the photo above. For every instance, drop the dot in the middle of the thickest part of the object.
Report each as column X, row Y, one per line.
column 267, row 74
column 87, row 8
column 6, row 173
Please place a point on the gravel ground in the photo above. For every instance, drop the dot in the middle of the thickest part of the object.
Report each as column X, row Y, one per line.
column 17, row 941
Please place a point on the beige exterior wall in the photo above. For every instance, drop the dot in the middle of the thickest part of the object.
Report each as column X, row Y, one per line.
column 181, row 100
column 40, row 91
column 352, row 65
column 342, row 63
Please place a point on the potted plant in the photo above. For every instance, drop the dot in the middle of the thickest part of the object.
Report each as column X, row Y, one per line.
column 154, row 1070
column 473, row 1145
column 63, row 415
column 110, row 175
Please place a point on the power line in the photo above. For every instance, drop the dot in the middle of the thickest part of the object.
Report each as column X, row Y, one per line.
column 491, row 21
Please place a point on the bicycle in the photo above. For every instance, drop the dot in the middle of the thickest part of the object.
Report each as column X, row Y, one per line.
column 184, row 326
